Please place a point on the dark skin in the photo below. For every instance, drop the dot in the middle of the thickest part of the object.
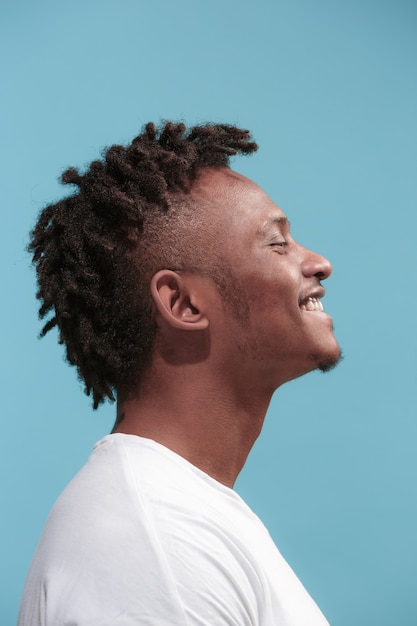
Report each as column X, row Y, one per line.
column 212, row 375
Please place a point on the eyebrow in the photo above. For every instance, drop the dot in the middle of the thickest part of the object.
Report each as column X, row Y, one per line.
column 272, row 221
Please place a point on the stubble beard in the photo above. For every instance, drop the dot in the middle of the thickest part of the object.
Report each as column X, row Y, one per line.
column 326, row 364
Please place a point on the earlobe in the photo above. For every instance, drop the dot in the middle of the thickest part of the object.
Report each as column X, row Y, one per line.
column 177, row 301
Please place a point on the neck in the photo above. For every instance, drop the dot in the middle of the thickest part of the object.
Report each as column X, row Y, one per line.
column 200, row 417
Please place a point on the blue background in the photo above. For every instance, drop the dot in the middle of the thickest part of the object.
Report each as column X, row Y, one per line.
column 329, row 90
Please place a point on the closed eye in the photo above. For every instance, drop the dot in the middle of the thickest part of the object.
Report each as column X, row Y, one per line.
column 279, row 246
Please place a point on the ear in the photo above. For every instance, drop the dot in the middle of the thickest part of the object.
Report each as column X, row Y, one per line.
column 176, row 299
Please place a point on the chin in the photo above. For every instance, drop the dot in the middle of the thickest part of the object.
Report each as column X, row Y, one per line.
column 325, row 363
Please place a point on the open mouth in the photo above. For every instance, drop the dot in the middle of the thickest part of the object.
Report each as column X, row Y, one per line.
column 311, row 304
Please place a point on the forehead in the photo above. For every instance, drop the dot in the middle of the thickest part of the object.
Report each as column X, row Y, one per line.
column 237, row 203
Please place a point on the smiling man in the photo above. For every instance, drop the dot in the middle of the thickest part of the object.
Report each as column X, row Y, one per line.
column 177, row 288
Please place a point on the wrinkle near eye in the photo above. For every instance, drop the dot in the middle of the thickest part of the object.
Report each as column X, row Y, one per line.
column 277, row 242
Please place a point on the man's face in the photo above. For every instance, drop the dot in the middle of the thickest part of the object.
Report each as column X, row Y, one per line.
column 283, row 331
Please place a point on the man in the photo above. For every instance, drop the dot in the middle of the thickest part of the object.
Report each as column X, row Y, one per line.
column 177, row 287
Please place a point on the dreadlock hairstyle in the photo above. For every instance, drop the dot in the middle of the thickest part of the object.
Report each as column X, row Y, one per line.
column 95, row 251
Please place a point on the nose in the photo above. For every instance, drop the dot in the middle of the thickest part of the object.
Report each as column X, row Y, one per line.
column 317, row 265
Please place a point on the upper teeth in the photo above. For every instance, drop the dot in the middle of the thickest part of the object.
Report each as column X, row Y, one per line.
column 312, row 304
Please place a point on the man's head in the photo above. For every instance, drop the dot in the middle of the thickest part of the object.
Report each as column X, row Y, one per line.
column 267, row 323
column 161, row 238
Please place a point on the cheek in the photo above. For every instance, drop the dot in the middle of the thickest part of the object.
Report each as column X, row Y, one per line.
column 282, row 293
column 269, row 282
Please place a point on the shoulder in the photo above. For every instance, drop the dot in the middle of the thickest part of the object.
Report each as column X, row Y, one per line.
column 139, row 528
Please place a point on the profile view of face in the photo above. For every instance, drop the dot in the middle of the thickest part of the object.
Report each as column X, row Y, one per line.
column 284, row 331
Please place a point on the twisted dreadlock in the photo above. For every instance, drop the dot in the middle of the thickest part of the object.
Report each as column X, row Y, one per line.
column 94, row 251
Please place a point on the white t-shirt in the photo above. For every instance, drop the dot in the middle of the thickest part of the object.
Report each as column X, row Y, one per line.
column 141, row 537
